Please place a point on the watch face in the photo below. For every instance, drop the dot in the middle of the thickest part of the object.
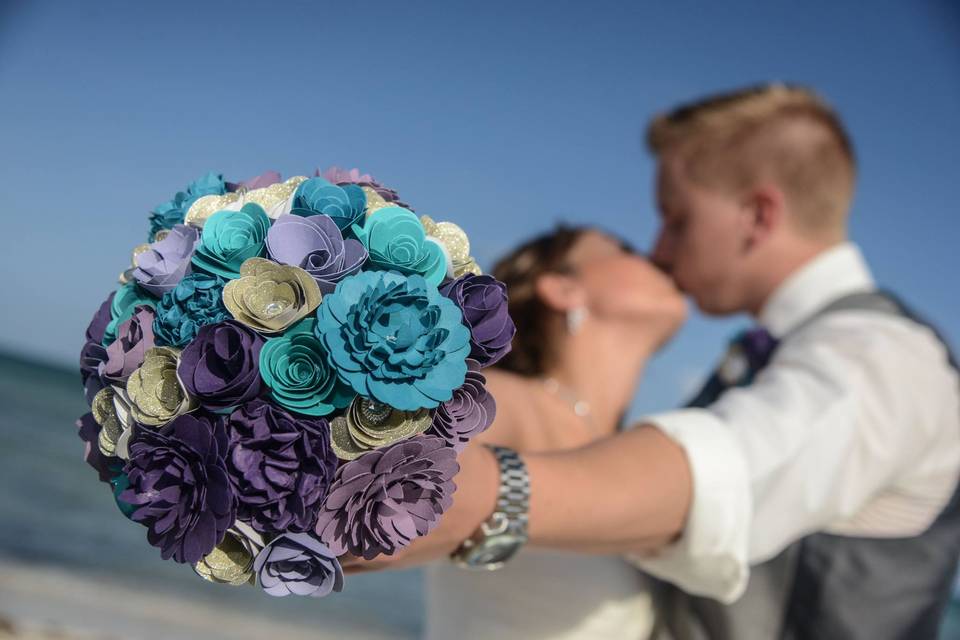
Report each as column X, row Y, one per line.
column 494, row 550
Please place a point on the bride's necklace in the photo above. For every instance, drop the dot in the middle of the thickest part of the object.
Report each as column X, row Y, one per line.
column 580, row 406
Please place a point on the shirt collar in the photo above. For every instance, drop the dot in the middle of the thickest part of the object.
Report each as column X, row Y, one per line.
column 832, row 274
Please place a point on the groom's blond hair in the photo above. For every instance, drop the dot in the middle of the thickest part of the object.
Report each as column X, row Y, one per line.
column 779, row 133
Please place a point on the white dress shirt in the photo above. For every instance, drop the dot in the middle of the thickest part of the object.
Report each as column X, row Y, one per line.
column 853, row 429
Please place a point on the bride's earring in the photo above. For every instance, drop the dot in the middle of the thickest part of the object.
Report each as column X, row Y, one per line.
column 575, row 318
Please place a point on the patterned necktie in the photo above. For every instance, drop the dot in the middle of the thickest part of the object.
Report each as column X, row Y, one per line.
column 748, row 353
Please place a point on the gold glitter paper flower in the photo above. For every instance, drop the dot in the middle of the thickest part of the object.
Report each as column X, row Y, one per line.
column 111, row 410
column 155, row 392
column 275, row 200
column 231, row 561
column 375, row 201
column 455, row 241
column 369, row 425
column 269, row 297
column 105, row 415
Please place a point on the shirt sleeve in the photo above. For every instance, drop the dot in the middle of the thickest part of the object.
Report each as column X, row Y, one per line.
column 809, row 443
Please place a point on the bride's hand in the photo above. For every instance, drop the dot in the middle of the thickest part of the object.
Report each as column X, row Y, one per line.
column 473, row 502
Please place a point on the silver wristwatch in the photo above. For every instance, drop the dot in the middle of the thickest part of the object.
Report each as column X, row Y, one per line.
column 502, row 535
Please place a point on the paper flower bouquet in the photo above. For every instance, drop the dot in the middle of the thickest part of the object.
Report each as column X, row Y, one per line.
column 286, row 374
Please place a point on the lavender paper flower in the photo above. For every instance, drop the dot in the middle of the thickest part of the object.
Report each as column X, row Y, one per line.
column 126, row 353
column 280, row 466
column 470, row 412
column 220, row 367
column 265, row 179
column 316, row 245
column 298, row 564
column 179, row 482
column 386, row 498
column 339, row 176
column 164, row 264
column 483, row 300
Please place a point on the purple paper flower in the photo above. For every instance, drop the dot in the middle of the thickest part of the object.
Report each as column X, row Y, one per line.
column 125, row 354
column 89, row 431
column 179, row 484
column 483, row 300
column 470, row 411
column 280, row 466
column 164, row 264
column 220, row 367
column 386, row 498
column 265, row 179
column 339, row 176
column 298, row 564
column 93, row 352
column 316, row 245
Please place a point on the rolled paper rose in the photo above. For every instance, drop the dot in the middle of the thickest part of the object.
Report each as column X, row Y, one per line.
column 395, row 339
column 468, row 413
column 340, row 177
column 125, row 354
column 383, row 500
column 125, row 300
column 229, row 238
column 156, row 394
column 196, row 301
column 280, row 466
column 316, row 245
column 296, row 370
column 231, row 561
column 179, row 486
column 298, row 564
column 396, row 241
column 220, row 367
column 270, row 297
column 369, row 425
column 483, row 301
column 172, row 212
column 159, row 268
column 89, row 431
column 346, row 205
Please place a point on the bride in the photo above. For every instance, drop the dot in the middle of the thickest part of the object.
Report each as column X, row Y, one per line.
column 589, row 312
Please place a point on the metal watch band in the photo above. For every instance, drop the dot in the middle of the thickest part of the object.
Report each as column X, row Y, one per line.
column 514, row 497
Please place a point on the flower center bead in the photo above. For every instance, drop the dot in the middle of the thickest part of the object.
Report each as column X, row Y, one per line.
column 274, row 308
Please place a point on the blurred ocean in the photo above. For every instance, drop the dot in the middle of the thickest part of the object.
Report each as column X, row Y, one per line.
column 71, row 566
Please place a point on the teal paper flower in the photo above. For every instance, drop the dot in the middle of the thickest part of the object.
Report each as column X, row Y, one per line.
column 197, row 300
column 172, row 212
column 296, row 369
column 396, row 240
column 229, row 238
column 394, row 338
column 346, row 204
column 125, row 301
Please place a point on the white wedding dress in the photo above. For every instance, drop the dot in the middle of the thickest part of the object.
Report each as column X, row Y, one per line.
column 539, row 594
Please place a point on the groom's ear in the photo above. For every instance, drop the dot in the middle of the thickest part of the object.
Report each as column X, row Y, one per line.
column 764, row 212
column 560, row 292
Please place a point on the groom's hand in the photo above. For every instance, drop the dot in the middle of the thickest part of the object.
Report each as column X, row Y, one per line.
column 473, row 502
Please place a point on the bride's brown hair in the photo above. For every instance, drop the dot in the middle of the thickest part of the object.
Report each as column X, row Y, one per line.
column 519, row 270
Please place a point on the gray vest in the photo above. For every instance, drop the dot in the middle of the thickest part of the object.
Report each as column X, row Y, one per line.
column 829, row 586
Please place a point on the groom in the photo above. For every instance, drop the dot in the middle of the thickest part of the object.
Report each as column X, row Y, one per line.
column 810, row 490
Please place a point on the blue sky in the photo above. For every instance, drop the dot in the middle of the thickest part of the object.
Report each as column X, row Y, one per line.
column 503, row 116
